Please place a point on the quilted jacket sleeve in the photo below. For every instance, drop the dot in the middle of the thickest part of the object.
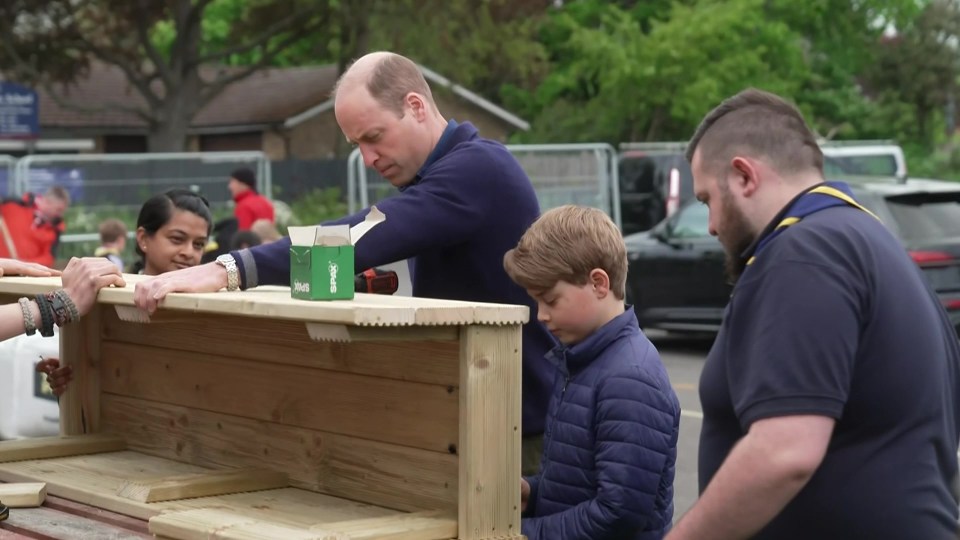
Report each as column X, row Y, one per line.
column 635, row 444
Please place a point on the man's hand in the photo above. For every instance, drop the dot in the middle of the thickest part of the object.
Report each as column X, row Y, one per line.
column 210, row 277
column 13, row 267
column 524, row 494
column 83, row 278
column 57, row 376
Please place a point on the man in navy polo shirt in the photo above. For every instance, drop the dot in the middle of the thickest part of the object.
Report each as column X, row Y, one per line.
column 464, row 201
column 830, row 396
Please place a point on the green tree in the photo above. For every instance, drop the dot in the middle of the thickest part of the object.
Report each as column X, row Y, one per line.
column 160, row 45
column 919, row 67
column 649, row 70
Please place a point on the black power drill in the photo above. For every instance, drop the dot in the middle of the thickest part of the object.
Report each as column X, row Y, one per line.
column 376, row 281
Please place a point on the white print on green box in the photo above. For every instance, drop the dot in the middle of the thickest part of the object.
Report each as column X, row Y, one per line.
column 321, row 258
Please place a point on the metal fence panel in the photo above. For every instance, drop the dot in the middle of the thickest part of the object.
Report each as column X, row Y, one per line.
column 116, row 185
column 8, row 180
column 582, row 174
column 121, row 179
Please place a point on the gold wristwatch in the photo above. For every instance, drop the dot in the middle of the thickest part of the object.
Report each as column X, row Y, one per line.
column 233, row 275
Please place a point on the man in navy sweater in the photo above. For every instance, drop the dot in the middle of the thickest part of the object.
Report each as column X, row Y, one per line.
column 464, row 201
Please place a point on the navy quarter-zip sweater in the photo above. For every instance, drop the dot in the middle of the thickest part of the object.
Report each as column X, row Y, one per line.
column 470, row 203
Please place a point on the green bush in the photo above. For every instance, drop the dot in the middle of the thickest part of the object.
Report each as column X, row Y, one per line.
column 315, row 207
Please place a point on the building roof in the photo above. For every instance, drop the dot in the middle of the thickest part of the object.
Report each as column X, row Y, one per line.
column 286, row 96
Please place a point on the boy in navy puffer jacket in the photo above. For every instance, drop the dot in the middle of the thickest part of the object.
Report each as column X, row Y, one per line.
column 610, row 443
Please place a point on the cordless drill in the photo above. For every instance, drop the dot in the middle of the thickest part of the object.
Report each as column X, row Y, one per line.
column 376, row 281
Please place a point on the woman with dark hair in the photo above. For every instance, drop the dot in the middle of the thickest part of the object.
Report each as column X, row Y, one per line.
column 172, row 230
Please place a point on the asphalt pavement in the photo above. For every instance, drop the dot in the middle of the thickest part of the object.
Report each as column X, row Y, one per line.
column 684, row 357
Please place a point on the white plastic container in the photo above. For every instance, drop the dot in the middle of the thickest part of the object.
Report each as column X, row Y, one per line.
column 27, row 406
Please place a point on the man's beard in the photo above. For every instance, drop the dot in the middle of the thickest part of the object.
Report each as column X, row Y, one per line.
column 738, row 237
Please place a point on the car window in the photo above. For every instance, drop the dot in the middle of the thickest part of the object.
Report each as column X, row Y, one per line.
column 833, row 168
column 691, row 221
column 876, row 165
column 926, row 219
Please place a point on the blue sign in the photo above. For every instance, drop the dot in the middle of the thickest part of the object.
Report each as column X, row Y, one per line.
column 19, row 112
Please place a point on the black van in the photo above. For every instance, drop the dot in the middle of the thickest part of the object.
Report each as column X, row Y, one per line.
column 655, row 181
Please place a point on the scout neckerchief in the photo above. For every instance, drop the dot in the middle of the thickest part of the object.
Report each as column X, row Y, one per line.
column 820, row 197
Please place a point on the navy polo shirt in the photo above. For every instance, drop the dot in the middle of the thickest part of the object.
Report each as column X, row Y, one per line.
column 834, row 319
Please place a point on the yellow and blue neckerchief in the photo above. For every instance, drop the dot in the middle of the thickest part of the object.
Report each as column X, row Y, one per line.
column 820, row 197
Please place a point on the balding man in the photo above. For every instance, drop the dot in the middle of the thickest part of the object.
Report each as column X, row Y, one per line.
column 463, row 202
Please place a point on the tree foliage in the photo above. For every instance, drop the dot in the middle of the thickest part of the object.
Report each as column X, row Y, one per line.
column 579, row 70
column 55, row 41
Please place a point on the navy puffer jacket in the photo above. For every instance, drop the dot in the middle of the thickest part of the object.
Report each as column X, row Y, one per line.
column 610, row 444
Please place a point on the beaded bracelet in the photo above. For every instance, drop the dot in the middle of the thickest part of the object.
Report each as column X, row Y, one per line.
column 46, row 315
column 28, row 323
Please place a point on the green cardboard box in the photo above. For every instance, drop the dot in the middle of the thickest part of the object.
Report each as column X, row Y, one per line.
column 321, row 258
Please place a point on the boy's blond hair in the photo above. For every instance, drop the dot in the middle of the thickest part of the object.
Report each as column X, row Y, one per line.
column 111, row 230
column 565, row 244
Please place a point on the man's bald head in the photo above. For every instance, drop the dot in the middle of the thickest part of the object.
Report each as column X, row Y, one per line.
column 388, row 77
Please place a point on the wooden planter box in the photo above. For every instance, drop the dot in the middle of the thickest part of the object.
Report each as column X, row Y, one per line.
column 252, row 415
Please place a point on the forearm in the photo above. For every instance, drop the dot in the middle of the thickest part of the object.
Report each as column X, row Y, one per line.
column 11, row 319
column 266, row 264
column 751, row 487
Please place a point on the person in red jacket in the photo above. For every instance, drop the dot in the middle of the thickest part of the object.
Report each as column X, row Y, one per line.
column 250, row 205
column 30, row 227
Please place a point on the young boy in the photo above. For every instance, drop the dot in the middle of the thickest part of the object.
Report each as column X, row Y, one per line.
column 113, row 240
column 610, row 443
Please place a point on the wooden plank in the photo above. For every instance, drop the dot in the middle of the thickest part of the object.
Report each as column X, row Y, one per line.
column 97, row 514
column 415, row 526
column 348, row 334
column 80, row 349
column 489, row 501
column 209, row 523
column 288, row 343
column 220, row 524
column 52, row 447
column 203, row 484
column 276, row 303
column 388, row 475
column 23, row 494
column 400, row 412
column 95, row 480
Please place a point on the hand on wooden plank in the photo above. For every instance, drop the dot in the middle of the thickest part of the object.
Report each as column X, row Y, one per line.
column 83, row 279
column 210, row 277
column 57, row 376
column 13, row 267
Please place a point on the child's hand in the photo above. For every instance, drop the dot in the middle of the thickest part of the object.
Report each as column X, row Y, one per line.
column 524, row 494
column 57, row 377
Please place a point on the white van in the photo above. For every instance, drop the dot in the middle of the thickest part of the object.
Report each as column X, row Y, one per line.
column 864, row 158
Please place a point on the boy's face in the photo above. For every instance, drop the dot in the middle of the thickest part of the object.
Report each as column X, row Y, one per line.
column 570, row 312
